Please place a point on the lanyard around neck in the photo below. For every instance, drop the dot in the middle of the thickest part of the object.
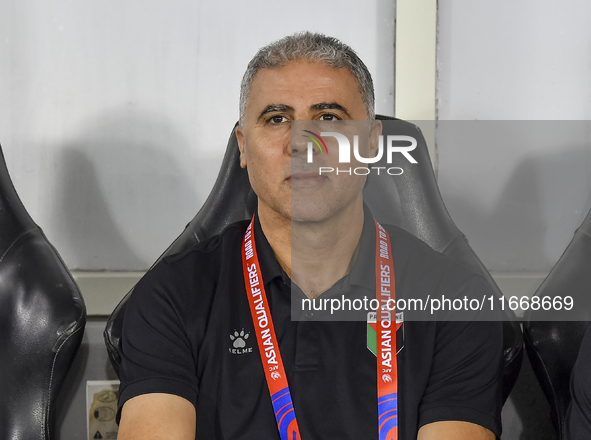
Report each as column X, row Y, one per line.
column 387, row 371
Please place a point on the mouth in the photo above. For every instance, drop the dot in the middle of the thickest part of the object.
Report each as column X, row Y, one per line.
column 305, row 180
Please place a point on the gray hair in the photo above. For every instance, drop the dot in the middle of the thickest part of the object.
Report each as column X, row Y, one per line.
column 309, row 46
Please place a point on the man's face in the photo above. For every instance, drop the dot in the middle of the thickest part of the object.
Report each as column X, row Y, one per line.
column 285, row 183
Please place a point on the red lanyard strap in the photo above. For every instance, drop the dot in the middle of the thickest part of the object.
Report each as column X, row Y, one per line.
column 387, row 371
column 268, row 346
column 387, row 374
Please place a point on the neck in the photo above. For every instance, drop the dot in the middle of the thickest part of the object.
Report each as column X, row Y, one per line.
column 315, row 255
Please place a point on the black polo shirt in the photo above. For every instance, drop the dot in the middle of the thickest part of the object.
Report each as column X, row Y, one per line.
column 188, row 331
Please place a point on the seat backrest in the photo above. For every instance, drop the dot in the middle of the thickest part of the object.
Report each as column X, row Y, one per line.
column 413, row 202
column 42, row 318
column 553, row 338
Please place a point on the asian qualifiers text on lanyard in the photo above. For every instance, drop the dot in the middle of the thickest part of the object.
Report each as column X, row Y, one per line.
column 387, row 371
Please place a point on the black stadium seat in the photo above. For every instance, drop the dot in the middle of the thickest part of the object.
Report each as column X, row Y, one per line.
column 412, row 199
column 553, row 338
column 42, row 319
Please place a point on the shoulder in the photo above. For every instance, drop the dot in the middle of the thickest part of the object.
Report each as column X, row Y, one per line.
column 412, row 252
column 212, row 246
column 200, row 258
column 405, row 240
column 435, row 279
column 193, row 273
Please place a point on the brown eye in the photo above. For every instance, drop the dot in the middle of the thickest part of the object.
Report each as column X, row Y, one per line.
column 277, row 119
column 328, row 117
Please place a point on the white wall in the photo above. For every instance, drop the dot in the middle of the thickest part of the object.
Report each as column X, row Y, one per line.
column 114, row 116
column 518, row 191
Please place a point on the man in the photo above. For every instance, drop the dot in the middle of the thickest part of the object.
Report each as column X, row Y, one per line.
column 311, row 236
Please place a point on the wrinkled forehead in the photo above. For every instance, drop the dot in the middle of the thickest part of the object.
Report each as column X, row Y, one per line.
column 305, row 85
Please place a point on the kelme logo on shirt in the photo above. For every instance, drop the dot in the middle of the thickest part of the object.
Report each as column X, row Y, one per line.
column 239, row 344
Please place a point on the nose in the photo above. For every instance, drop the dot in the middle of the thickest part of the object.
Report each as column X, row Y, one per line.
column 307, row 144
column 299, row 143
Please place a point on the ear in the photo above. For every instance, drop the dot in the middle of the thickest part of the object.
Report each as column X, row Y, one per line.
column 240, row 139
column 374, row 136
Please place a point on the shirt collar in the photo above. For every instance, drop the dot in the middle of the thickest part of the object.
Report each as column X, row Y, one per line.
column 270, row 267
column 363, row 270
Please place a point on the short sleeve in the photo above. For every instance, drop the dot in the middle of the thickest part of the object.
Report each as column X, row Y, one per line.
column 466, row 372
column 156, row 353
column 578, row 416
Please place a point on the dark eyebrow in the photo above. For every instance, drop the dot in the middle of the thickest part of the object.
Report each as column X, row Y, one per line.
column 330, row 106
column 286, row 108
column 275, row 108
